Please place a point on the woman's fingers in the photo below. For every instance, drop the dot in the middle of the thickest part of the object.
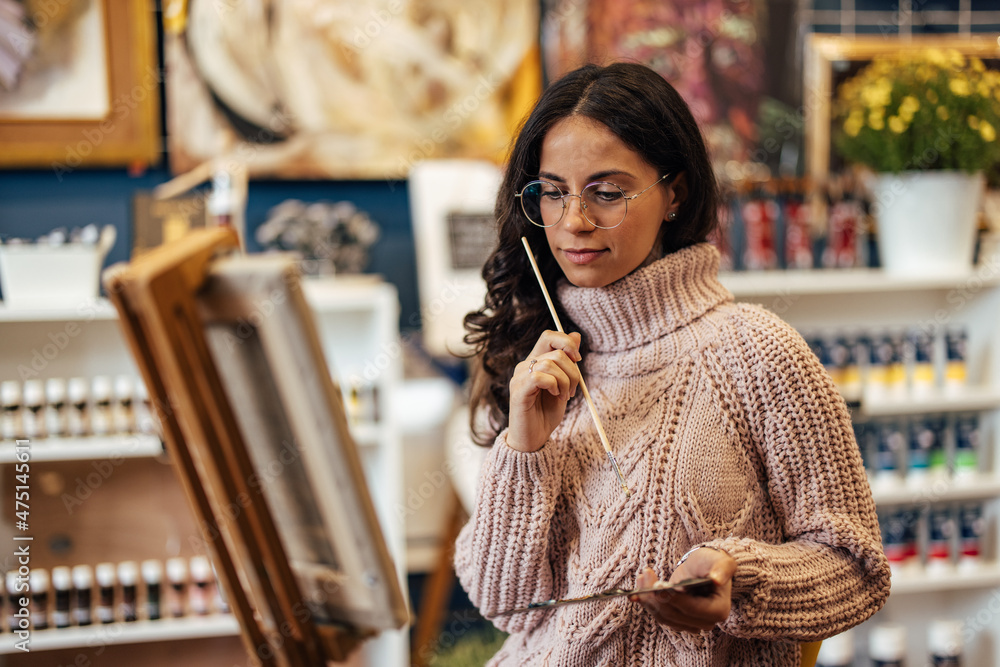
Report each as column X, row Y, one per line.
column 686, row 611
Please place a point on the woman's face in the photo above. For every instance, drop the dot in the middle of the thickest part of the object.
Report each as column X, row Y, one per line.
column 576, row 152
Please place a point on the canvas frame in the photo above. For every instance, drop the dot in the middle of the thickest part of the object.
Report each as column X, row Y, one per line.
column 182, row 306
column 823, row 52
column 130, row 133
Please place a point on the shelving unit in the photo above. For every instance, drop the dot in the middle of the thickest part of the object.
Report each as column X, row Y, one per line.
column 135, row 508
column 854, row 301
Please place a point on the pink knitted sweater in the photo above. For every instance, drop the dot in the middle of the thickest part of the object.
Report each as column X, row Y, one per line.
column 729, row 433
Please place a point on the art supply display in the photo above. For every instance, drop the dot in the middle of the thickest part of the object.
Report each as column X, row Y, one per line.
column 890, row 444
column 967, row 445
column 923, row 380
column 899, row 539
column 926, row 454
column 77, row 407
column 956, row 371
column 109, row 593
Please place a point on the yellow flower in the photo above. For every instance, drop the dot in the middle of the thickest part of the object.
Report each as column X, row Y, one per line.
column 957, row 60
column 876, row 119
column 959, row 86
column 936, row 56
column 973, row 122
column 983, row 89
column 976, row 64
column 910, row 103
column 852, row 126
column 942, row 113
column 987, row 132
column 896, row 124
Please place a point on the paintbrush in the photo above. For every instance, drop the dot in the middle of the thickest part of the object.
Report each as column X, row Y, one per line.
column 583, row 385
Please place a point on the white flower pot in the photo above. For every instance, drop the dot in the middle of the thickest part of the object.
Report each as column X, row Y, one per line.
column 927, row 221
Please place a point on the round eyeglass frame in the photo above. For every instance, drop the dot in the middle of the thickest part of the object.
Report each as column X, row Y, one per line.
column 583, row 205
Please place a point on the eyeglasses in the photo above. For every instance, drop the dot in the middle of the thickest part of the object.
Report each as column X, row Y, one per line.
column 604, row 205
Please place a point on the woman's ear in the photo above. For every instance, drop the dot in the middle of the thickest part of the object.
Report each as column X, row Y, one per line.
column 679, row 188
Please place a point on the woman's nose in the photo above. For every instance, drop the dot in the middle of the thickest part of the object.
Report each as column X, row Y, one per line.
column 574, row 217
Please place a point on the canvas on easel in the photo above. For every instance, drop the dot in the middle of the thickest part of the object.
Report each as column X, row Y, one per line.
column 256, row 427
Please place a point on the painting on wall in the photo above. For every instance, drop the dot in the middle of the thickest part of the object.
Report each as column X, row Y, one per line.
column 79, row 84
column 711, row 51
column 346, row 89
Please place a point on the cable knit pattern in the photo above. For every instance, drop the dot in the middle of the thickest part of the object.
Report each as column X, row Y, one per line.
column 730, row 433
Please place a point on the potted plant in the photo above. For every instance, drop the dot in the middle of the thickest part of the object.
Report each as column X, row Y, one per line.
column 926, row 122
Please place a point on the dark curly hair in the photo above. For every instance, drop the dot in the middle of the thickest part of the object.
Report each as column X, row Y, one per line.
column 652, row 119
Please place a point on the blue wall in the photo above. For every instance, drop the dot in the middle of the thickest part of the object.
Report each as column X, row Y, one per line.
column 35, row 202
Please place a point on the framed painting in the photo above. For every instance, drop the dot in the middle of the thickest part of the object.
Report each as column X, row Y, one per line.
column 832, row 59
column 346, row 89
column 88, row 92
column 256, row 427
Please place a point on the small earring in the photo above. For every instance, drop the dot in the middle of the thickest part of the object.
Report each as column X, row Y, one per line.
column 672, row 216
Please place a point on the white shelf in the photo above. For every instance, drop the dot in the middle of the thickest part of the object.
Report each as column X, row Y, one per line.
column 969, row 399
column 168, row 629
column 842, row 281
column 342, row 292
column 983, row 577
column 97, row 309
column 940, row 490
column 89, row 447
column 367, row 434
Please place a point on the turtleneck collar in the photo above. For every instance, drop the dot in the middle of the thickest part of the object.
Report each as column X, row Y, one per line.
column 648, row 303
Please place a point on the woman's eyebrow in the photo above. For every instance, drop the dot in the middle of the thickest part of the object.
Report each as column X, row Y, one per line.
column 590, row 179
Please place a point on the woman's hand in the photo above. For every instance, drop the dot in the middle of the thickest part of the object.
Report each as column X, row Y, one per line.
column 541, row 386
column 686, row 611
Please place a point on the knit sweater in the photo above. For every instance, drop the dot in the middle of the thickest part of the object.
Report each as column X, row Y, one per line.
column 729, row 433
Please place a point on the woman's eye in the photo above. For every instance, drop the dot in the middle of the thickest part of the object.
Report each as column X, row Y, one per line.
column 607, row 196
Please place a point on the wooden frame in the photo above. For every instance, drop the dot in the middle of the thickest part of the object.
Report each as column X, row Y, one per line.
column 823, row 52
column 129, row 134
column 256, row 427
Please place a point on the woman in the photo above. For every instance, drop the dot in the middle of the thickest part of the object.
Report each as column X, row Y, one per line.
column 737, row 448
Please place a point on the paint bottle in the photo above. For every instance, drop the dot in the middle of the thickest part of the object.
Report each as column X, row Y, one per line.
column 899, row 539
column 966, row 445
column 971, row 526
column 13, row 600
column 124, row 416
column 887, row 646
column 851, row 369
column 33, row 415
column 891, row 443
column 83, row 583
column 945, row 643
column 926, row 453
column 78, row 421
column 62, row 583
column 105, row 575
column 55, row 407
column 128, row 575
column 39, row 582
column 152, row 576
column 101, row 417
column 940, row 533
column 199, row 596
column 956, row 370
column 921, row 342
column 10, row 400
column 177, row 576
column 837, row 651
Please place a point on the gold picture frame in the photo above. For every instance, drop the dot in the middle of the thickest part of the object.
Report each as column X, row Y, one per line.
column 824, row 54
column 129, row 133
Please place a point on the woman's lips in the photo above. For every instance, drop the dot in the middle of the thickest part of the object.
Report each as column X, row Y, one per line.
column 583, row 256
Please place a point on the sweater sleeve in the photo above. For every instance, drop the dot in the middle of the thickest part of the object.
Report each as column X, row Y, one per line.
column 502, row 555
column 829, row 573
